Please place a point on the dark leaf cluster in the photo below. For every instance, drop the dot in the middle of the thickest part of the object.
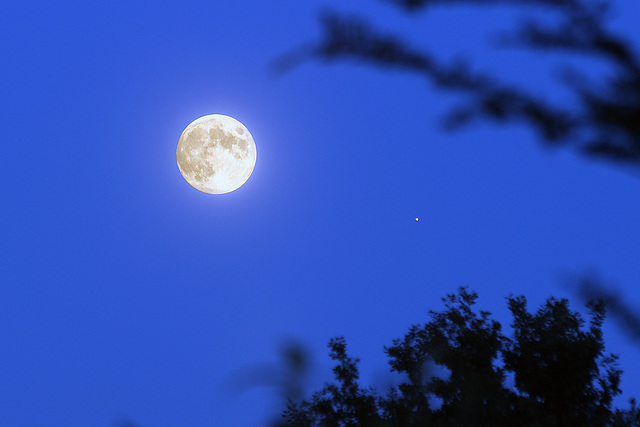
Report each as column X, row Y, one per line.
column 551, row 370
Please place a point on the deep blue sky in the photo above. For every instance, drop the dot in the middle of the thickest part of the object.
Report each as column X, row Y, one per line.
column 126, row 293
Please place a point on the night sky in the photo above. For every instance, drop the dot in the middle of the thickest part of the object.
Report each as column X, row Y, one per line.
column 126, row 294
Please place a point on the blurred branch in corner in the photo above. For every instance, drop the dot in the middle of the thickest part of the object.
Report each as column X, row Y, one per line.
column 289, row 375
column 592, row 287
column 604, row 121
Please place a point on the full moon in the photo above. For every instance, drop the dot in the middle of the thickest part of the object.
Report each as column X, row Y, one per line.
column 216, row 154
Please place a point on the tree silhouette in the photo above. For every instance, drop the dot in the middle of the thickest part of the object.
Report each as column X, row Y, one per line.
column 560, row 374
column 557, row 363
column 605, row 122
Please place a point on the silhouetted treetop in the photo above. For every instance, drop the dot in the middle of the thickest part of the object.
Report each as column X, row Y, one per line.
column 551, row 370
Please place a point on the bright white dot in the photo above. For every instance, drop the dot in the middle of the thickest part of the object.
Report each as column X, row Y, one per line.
column 417, row 219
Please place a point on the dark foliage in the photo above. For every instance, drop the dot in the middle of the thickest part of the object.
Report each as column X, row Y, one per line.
column 552, row 369
column 604, row 124
column 559, row 372
column 629, row 418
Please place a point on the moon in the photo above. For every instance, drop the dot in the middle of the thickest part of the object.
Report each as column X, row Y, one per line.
column 216, row 154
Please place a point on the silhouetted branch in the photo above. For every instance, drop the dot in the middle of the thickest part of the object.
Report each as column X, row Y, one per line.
column 414, row 5
column 606, row 122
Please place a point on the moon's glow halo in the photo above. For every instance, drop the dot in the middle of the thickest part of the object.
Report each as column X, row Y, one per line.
column 216, row 154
